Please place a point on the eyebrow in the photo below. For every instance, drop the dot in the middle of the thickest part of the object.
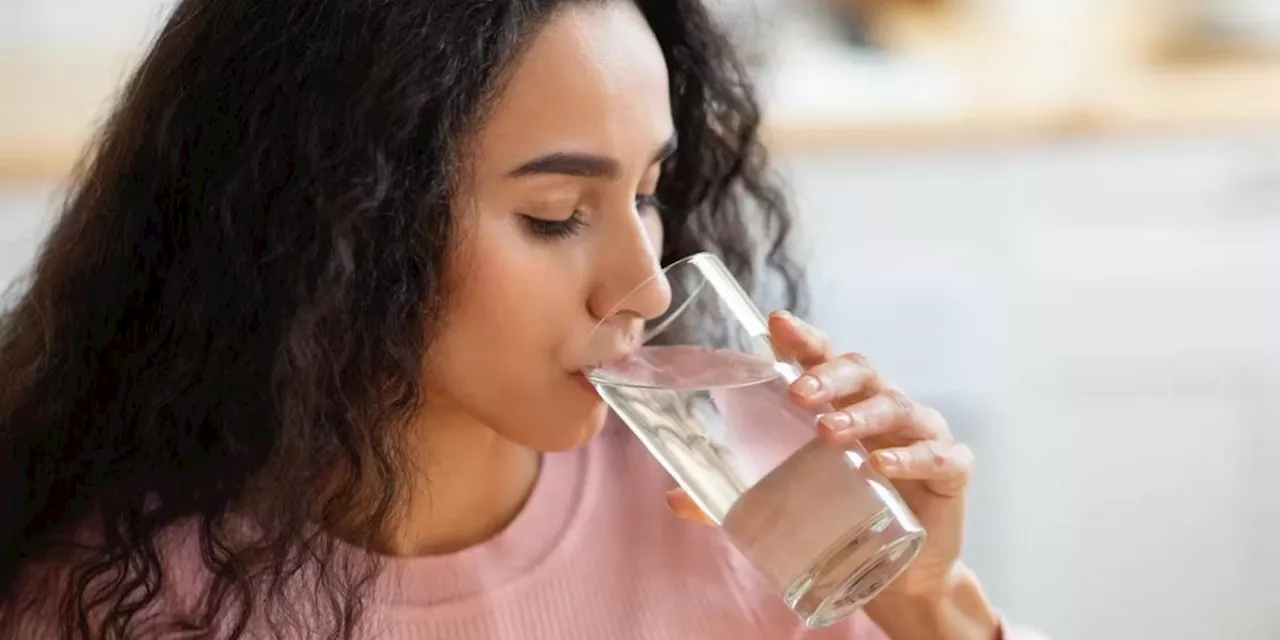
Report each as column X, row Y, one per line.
column 584, row 165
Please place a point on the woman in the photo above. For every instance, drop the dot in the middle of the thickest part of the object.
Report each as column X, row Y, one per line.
column 299, row 359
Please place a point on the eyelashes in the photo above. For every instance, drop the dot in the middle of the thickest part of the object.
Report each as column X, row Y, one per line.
column 554, row 229
column 646, row 203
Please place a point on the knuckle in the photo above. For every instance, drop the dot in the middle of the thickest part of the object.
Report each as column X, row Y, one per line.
column 857, row 419
column 903, row 405
column 858, row 359
column 936, row 455
column 856, row 365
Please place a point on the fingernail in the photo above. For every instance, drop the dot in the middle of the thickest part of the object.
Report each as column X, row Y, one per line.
column 838, row 421
column 846, row 424
column 784, row 314
column 673, row 503
column 684, row 508
column 888, row 459
column 807, row 386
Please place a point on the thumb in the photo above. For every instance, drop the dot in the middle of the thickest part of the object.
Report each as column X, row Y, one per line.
column 684, row 507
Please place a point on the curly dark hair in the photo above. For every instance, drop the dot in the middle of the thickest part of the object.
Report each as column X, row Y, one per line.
column 238, row 296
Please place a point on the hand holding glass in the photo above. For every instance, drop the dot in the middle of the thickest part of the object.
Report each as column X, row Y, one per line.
column 706, row 394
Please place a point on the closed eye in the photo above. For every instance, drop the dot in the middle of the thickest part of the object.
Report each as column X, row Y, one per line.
column 554, row 229
column 646, row 203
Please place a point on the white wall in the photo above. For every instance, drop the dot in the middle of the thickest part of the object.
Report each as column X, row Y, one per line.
column 70, row 27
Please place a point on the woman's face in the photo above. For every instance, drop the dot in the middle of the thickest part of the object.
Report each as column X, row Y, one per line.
column 557, row 227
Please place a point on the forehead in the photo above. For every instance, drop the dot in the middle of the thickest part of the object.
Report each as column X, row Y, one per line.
column 594, row 79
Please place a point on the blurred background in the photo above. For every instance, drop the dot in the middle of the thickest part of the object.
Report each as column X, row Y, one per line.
column 1057, row 220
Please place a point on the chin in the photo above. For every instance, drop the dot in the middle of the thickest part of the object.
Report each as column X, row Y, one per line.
column 571, row 432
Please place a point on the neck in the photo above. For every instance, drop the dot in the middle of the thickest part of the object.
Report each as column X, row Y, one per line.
column 469, row 485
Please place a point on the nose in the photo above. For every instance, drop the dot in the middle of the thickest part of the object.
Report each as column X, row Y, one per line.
column 631, row 284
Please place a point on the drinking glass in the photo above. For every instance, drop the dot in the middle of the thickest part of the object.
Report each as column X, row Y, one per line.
column 707, row 395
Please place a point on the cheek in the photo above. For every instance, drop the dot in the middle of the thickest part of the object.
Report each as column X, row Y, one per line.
column 504, row 357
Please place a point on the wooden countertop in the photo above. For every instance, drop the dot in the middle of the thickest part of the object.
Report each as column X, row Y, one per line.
column 49, row 108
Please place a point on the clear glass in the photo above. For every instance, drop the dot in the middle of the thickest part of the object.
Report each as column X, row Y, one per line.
column 706, row 395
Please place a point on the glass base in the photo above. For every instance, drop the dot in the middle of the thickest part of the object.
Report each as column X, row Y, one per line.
column 855, row 569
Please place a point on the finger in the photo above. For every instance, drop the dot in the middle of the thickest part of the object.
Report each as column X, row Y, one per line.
column 798, row 341
column 684, row 507
column 890, row 412
column 847, row 378
column 943, row 465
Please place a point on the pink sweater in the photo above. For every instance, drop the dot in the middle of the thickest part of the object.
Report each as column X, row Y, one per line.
column 593, row 555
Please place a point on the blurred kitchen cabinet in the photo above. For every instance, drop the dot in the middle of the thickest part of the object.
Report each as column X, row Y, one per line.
column 1146, row 293
column 1135, row 517
column 1110, row 308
